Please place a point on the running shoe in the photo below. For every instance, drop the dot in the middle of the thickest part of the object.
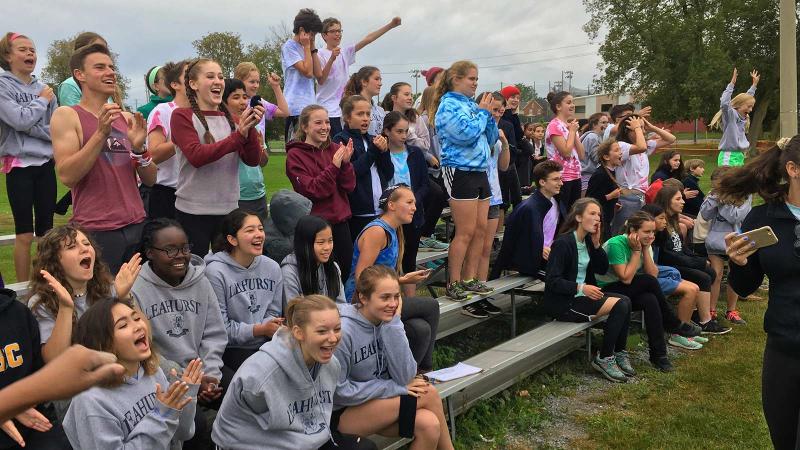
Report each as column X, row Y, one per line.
column 688, row 329
column 734, row 317
column 676, row 340
column 699, row 339
column 487, row 306
column 433, row 245
column 477, row 286
column 624, row 363
column 662, row 363
column 474, row 310
column 609, row 369
column 713, row 327
column 456, row 292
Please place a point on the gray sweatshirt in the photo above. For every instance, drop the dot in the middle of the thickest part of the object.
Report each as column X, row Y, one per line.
column 246, row 295
column 275, row 401
column 291, row 280
column 129, row 416
column 25, row 121
column 185, row 319
column 376, row 360
column 722, row 218
column 732, row 124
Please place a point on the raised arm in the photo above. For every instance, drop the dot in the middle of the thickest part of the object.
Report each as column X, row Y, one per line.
column 280, row 101
column 372, row 37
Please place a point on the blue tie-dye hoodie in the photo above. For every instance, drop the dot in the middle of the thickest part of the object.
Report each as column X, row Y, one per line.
column 464, row 132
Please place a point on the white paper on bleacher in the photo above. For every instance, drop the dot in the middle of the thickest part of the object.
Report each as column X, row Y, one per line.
column 460, row 370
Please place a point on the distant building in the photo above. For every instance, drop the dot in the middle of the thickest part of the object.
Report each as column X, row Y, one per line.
column 587, row 105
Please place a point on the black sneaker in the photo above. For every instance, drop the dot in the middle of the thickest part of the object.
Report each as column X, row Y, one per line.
column 713, row 327
column 474, row 310
column 662, row 363
column 688, row 329
column 489, row 308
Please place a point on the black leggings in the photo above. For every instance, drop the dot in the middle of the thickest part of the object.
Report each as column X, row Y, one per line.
column 780, row 396
column 32, row 192
column 645, row 294
column 411, row 237
column 342, row 247
column 570, row 193
column 200, row 229
column 118, row 246
column 435, row 202
column 702, row 278
column 615, row 335
column 509, row 186
column 420, row 318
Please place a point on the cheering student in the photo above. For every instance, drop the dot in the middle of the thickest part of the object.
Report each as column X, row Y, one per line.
column 299, row 62
column 69, row 92
column 564, row 146
column 333, row 71
column 367, row 83
column 733, row 118
column 591, row 141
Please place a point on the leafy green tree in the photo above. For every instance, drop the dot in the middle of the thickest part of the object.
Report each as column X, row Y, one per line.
column 223, row 47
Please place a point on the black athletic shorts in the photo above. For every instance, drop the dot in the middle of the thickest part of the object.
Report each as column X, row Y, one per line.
column 406, row 418
column 466, row 184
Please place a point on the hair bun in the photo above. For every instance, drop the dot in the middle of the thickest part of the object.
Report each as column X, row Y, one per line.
column 783, row 142
column 550, row 96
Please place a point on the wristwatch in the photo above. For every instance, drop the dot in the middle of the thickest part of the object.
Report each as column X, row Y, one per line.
column 314, row 51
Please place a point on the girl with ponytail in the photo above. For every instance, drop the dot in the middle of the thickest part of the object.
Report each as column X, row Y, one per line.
column 210, row 146
column 733, row 118
column 367, row 83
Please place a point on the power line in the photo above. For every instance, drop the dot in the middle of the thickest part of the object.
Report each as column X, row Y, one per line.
column 487, row 57
column 514, row 64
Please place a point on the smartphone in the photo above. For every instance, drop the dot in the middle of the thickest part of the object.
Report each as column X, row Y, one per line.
column 763, row 237
column 255, row 101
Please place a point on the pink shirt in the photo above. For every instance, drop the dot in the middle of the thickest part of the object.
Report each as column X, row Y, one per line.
column 635, row 169
column 572, row 165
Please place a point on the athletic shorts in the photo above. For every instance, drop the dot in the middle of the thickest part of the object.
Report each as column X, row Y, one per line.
column 466, row 184
column 406, row 416
column 732, row 158
column 583, row 309
column 494, row 212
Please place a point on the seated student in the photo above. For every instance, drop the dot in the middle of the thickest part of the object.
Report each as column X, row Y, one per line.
column 174, row 294
column 724, row 217
column 381, row 243
column 371, row 162
column 675, row 253
column 531, row 227
column 499, row 159
column 296, row 368
column 67, row 259
column 155, row 82
column 248, row 285
column 691, row 182
column 377, row 390
column 671, row 166
column 603, row 185
column 144, row 410
column 310, row 269
column 632, row 273
column 36, row 427
column 321, row 171
column 571, row 293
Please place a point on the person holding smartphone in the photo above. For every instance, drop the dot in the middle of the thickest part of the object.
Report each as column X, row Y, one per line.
column 775, row 176
column 381, row 243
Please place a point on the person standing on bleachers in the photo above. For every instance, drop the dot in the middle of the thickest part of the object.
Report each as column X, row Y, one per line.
column 531, row 227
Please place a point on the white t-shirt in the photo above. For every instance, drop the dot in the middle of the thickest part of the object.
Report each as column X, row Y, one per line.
column 330, row 94
column 635, row 169
column 47, row 321
column 608, row 130
column 167, row 174
column 298, row 90
column 494, row 176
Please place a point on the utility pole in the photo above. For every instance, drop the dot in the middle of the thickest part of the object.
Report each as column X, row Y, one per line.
column 568, row 75
column 415, row 74
column 788, row 63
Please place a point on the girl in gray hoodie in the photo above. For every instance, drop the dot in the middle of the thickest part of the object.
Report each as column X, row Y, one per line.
column 310, row 268
column 145, row 411
column 249, row 286
column 377, row 389
column 26, row 152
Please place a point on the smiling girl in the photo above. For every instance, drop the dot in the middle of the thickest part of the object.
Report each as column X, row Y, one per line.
column 248, row 285
column 564, row 145
column 210, row 145
column 733, row 118
column 145, row 410
column 310, row 268
column 367, row 83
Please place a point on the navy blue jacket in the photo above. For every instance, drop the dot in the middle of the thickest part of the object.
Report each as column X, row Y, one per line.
column 692, row 206
column 418, row 169
column 523, row 239
column 560, row 284
column 361, row 201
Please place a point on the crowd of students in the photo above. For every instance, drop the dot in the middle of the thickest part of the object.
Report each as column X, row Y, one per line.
column 165, row 262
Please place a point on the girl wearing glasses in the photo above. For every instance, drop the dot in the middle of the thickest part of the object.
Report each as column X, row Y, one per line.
column 180, row 304
column 775, row 176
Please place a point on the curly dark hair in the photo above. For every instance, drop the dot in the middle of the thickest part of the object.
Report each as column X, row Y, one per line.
column 308, row 20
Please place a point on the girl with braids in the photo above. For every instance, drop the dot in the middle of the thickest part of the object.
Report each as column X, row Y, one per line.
column 321, row 171
column 775, row 175
column 210, row 145
column 178, row 300
column 310, row 268
column 382, row 243
column 465, row 130
column 367, row 83
column 401, row 99
column 733, row 118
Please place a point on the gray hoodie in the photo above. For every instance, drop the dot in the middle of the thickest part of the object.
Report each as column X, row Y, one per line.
column 291, row 280
column 376, row 360
column 246, row 295
column 185, row 319
column 732, row 124
column 25, row 121
column 129, row 416
column 274, row 401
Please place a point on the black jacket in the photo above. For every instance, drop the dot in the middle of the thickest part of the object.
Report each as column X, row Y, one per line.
column 508, row 130
column 692, row 206
column 361, row 201
column 560, row 286
column 781, row 264
column 513, row 119
column 523, row 239
column 676, row 254
column 418, row 169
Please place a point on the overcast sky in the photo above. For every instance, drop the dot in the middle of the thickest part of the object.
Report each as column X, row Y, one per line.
column 544, row 36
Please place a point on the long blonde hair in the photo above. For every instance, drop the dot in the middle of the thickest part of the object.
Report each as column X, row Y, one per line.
column 459, row 69
column 739, row 100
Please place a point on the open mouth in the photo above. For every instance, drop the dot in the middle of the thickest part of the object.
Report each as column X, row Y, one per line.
column 326, row 352
column 141, row 343
column 30, row 61
column 216, row 91
column 86, row 262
